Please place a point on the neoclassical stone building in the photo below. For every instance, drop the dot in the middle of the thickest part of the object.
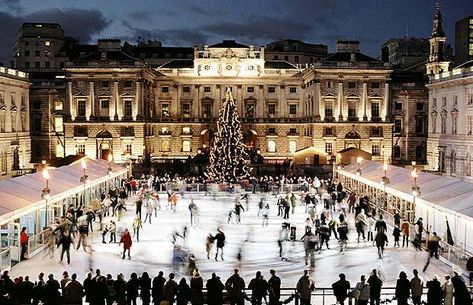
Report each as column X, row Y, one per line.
column 15, row 144
column 117, row 104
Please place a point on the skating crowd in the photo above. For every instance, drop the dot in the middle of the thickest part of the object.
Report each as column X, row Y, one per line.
column 99, row 289
column 73, row 229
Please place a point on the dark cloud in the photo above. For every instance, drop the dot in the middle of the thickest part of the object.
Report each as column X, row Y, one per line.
column 12, row 5
column 83, row 23
column 141, row 15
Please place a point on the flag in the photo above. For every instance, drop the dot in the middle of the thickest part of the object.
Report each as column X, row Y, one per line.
column 449, row 234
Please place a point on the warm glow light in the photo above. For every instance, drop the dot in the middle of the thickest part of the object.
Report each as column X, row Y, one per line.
column 127, row 155
column 43, row 162
column 83, row 164
column 359, row 160
column 110, row 158
column 385, row 166
column 414, row 174
column 414, row 163
column 46, row 174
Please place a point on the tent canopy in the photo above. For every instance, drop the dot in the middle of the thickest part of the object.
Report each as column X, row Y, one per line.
column 446, row 192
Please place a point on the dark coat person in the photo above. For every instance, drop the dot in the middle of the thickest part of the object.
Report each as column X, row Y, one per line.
column 434, row 292
column 170, row 289
column 183, row 293
column 375, row 287
column 259, row 288
column 120, row 290
column 461, row 293
column 403, row 286
column 235, row 286
column 158, row 286
column 145, row 288
column 341, row 289
column 214, row 290
column 197, row 284
column 132, row 287
column 73, row 292
column 274, row 288
column 51, row 289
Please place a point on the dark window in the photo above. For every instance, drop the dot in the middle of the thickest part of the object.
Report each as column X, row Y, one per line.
column 375, row 109
column 36, row 104
column 292, row 109
column 328, row 131
column 127, row 84
column 37, row 53
column 286, row 58
column 271, row 89
column 127, row 108
column 292, row 89
column 397, row 125
column 127, row 131
column 250, row 89
column 207, row 89
column 207, row 110
column 164, row 89
column 271, row 130
column 27, row 64
column 292, row 131
column 296, row 59
column 81, row 108
column 105, row 84
column 186, row 89
column 397, row 151
column 80, row 131
column 37, row 64
column 352, row 110
column 27, row 52
column 276, row 57
column 328, row 110
column 104, row 104
column 375, row 85
column 420, row 106
column 376, row 131
column 398, row 106
column 351, row 85
column 420, row 125
column 37, row 124
column 47, row 64
column 272, row 109
column 329, row 85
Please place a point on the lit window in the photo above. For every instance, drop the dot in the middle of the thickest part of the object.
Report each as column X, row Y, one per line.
column 47, row 43
column 58, row 127
column 165, row 145
column 375, row 151
column 292, row 146
column 186, row 146
column 165, row 110
column 271, row 146
column 329, row 148
column 58, row 105
column 186, row 130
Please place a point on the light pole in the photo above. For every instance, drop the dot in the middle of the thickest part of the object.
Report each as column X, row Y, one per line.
column 45, row 195
column 385, row 181
column 128, row 164
column 84, row 177
column 110, row 160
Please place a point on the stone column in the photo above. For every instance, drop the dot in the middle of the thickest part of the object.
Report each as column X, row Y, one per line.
column 195, row 102
column 386, row 101
column 218, row 101
column 137, row 101
column 239, row 98
column 114, row 107
column 89, row 109
column 364, row 101
column 174, row 107
column 317, row 100
column 72, row 104
column 260, row 103
column 340, row 100
column 282, row 102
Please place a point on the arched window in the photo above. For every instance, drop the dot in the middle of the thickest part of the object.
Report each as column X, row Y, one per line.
column 271, row 146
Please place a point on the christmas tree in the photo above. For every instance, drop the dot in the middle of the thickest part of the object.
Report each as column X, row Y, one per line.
column 228, row 158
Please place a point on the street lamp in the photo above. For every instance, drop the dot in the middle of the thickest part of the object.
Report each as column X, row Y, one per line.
column 110, row 160
column 84, row 177
column 45, row 195
column 385, row 179
column 415, row 188
column 128, row 164
column 358, row 161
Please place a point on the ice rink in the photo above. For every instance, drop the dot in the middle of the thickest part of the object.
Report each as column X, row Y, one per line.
column 258, row 246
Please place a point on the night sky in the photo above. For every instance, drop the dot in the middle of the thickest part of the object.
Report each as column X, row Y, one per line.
column 253, row 22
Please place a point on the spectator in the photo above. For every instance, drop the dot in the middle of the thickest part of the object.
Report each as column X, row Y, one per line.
column 304, row 287
column 434, row 292
column 73, row 291
column 461, row 293
column 416, row 288
column 375, row 287
column 341, row 289
column 402, row 289
column 214, row 290
column 158, row 286
column 112, row 293
column 258, row 287
column 362, row 290
column 274, row 288
column 447, row 290
column 183, row 292
column 23, row 243
column 145, row 288
column 120, row 290
column 170, row 290
column 197, row 284
column 51, row 289
column 235, row 286
column 132, row 287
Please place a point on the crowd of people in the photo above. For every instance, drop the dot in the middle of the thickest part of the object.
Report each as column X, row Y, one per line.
column 101, row 289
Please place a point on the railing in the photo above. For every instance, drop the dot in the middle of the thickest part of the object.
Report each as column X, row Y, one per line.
column 37, row 241
column 319, row 296
column 5, row 260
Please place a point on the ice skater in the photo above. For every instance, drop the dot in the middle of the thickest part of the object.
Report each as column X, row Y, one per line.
column 265, row 215
column 220, row 238
column 381, row 241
